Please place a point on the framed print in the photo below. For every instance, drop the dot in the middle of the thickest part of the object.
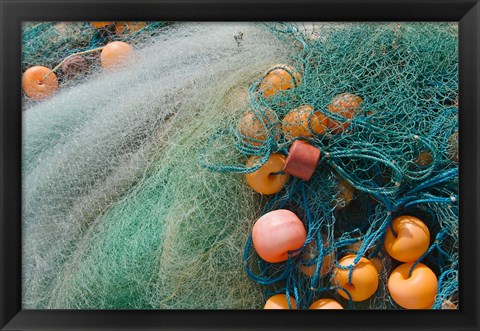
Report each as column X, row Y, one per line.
column 240, row 165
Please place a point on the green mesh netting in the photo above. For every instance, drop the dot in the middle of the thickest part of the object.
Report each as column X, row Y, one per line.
column 118, row 212
column 399, row 151
column 123, row 208
column 47, row 43
column 51, row 44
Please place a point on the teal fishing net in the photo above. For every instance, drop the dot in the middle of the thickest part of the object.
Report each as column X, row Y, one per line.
column 398, row 154
column 48, row 44
column 134, row 194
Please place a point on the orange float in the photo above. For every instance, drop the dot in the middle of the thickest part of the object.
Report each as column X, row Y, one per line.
column 295, row 124
column 415, row 292
column 411, row 241
column 100, row 25
column 39, row 82
column 325, row 304
column 276, row 233
column 253, row 127
column 302, row 160
column 122, row 27
column 266, row 180
column 345, row 105
column 116, row 54
column 279, row 301
column 364, row 278
column 311, row 252
column 280, row 78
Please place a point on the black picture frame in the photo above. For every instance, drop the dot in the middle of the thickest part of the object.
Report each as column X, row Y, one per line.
column 13, row 12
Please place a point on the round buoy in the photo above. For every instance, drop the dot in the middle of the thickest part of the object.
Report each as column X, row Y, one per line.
column 39, row 82
column 267, row 179
column 415, row 292
column 295, row 123
column 410, row 241
column 325, row 304
column 279, row 301
column 364, row 280
column 116, row 54
column 345, row 105
column 276, row 233
column 280, row 78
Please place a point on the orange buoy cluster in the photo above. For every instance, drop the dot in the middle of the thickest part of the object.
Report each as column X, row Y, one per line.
column 280, row 234
column 39, row 82
column 299, row 124
column 411, row 285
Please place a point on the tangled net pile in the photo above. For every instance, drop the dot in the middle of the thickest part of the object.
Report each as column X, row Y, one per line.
column 397, row 156
column 50, row 44
column 119, row 212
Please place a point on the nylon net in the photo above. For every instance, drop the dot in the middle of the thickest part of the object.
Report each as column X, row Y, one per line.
column 134, row 190
column 396, row 154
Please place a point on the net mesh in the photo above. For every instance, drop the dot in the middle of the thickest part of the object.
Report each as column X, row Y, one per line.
column 134, row 189
column 396, row 155
column 117, row 212
column 54, row 44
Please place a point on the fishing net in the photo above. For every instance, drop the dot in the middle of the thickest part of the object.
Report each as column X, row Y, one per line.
column 53, row 45
column 134, row 194
column 396, row 156
column 117, row 212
